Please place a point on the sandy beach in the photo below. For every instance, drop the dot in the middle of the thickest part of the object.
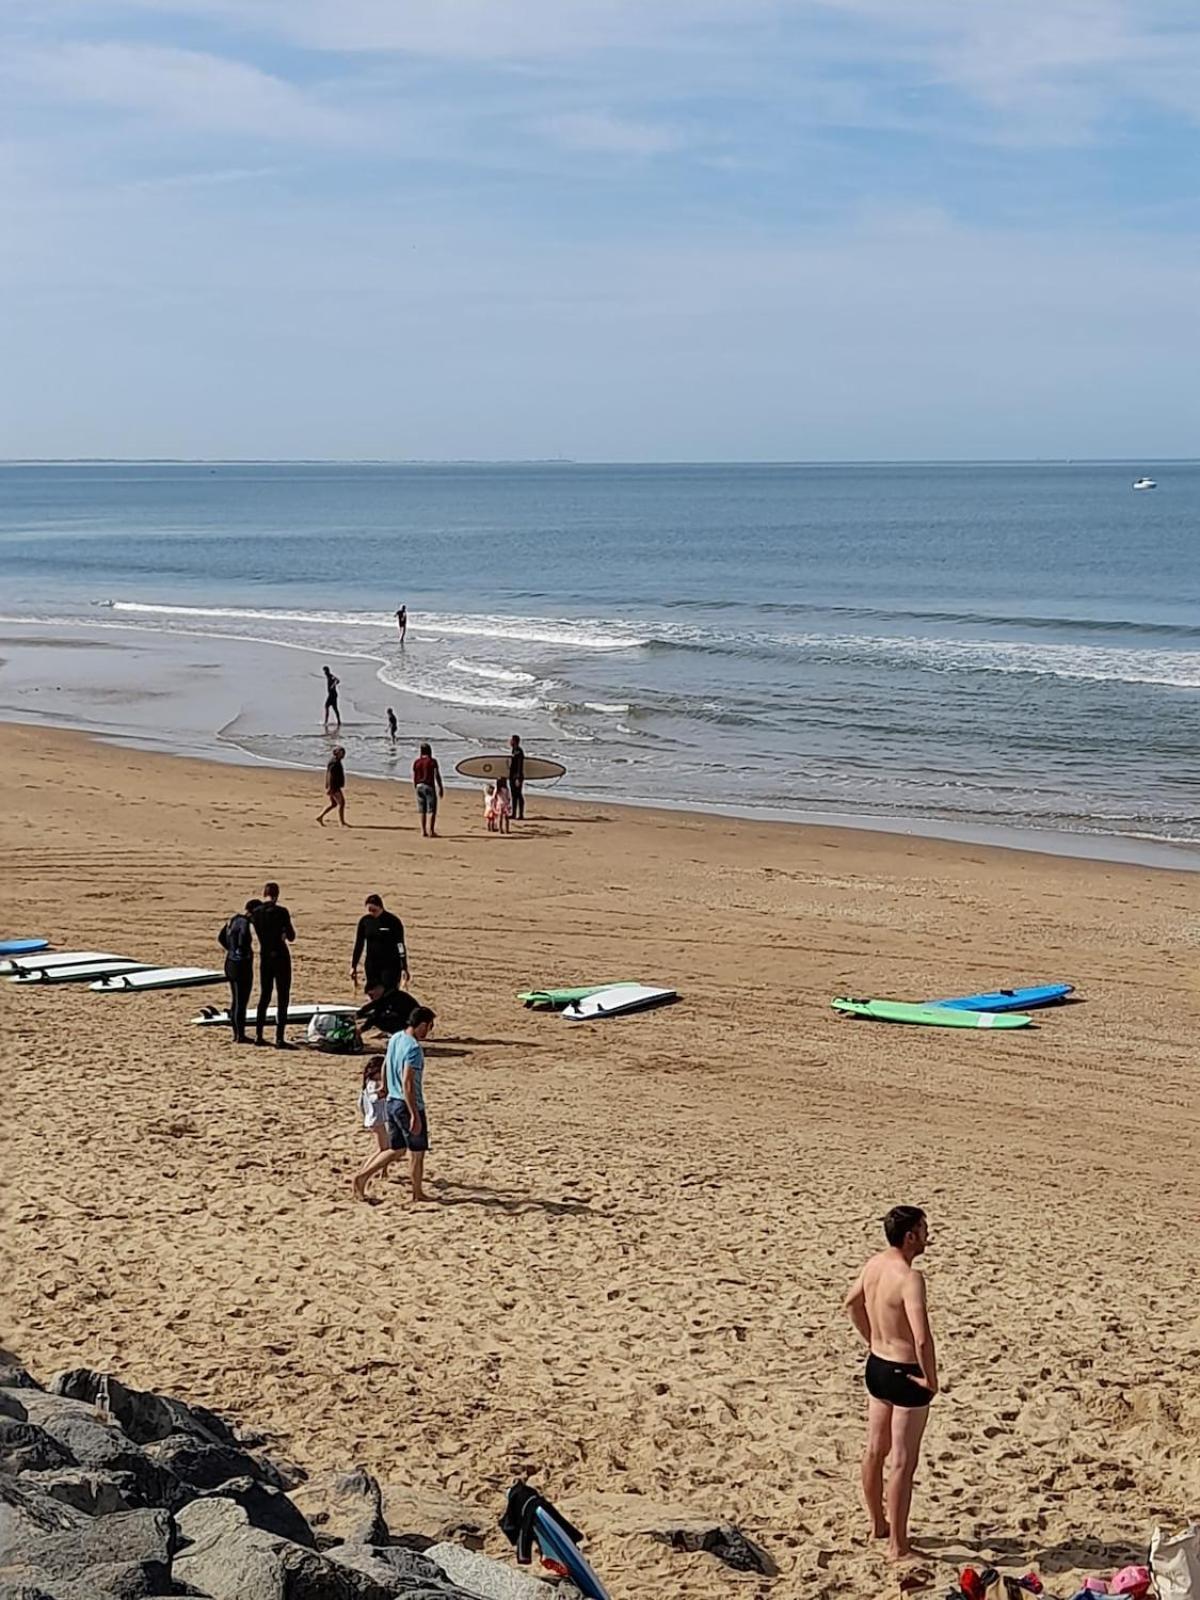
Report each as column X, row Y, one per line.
column 630, row 1284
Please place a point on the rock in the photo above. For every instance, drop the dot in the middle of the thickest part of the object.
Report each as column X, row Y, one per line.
column 24, row 1447
column 27, row 1515
column 494, row 1580
column 723, row 1540
column 435, row 1515
column 404, row 1572
column 13, row 1375
column 202, row 1465
column 99, row 1444
column 11, row 1407
column 143, row 1416
column 25, row 1583
column 126, row 1554
column 344, row 1507
column 269, row 1509
column 227, row 1559
column 96, row 1493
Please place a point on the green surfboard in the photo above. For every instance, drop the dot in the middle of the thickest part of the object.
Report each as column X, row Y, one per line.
column 930, row 1016
column 555, row 999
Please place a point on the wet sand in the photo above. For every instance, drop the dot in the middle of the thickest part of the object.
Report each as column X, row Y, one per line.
column 630, row 1282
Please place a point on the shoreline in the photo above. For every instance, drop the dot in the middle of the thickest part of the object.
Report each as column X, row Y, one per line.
column 197, row 741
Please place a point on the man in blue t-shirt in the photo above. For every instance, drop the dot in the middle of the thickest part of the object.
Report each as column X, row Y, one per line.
column 407, row 1122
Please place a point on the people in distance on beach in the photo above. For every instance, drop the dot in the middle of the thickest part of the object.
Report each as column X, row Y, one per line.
column 238, row 944
column 392, row 725
column 427, row 781
column 516, row 777
column 331, row 698
column 335, row 785
column 273, row 925
column 380, row 937
column 372, row 1102
column 402, row 623
column 887, row 1305
column 408, row 1121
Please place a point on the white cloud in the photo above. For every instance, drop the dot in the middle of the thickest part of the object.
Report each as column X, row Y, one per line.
column 188, row 87
column 606, row 134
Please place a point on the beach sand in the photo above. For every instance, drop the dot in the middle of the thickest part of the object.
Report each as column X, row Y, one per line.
column 630, row 1286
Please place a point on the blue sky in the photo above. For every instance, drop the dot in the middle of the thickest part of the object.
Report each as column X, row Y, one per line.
column 605, row 229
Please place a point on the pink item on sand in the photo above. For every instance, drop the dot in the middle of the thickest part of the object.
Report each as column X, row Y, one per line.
column 1096, row 1585
column 1132, row 1581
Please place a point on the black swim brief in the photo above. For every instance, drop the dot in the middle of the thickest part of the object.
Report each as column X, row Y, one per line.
column 892, row 1382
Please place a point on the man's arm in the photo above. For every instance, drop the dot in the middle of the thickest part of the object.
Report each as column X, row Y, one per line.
column 437, row 772
column 410, row 1100
column 289, row 933
column 360, row 939
column 918, row 1321
column 855, row 1307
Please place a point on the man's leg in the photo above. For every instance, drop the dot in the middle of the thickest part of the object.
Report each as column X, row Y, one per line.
column 266, row 983
column 368, row 1170
column 417, row 1158
column 875, row 1453
column 283, row 993
column 908, row 1425
column 242, row 987
column 433, row 820
column 341, row 805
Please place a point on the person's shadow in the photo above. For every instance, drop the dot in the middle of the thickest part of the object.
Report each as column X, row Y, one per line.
column 515, row 1203
column 1069, row 1555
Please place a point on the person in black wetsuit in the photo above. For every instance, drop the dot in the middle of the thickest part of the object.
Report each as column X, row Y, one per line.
column 234, row 938
column 380, row 935
column 273, row 925
column 331, row 697
column 386, row 1010
column 516, row 778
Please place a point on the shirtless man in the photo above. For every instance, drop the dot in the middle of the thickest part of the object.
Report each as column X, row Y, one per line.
column 887, row 1306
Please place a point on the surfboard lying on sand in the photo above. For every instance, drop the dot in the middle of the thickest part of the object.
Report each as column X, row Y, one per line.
column 159, row 978
column 624, row 997
column 536, row 768
column 558, row 1547
column 555, row 999
column 930, row 1016
column 22, row 947
column 1046, row 994
column 212, row 1017
column 80, row 974
column 61, row 958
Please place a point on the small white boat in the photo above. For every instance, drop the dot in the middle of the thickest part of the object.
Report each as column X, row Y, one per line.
column 1145, row 483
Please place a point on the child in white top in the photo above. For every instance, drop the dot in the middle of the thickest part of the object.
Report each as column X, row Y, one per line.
column 489, row 807
column 373, row 1101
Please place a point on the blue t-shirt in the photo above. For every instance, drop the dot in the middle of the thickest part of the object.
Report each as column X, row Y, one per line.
column 405, row 1051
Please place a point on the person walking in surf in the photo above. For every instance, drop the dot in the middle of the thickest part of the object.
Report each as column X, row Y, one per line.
column 331, row 698
column 392, row 724
column 402, row 623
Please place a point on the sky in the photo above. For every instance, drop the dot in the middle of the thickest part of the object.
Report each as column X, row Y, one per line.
column 600, row 229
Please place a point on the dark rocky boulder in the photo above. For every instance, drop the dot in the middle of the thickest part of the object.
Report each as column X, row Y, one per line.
column 227, row 1559
column 268, row 1509
column 97, row 1443
column 26, row 1447
column 97, row 1493
column 143, row 1416
column 202, row 1465
column 404, row 1573
column 344, row 1507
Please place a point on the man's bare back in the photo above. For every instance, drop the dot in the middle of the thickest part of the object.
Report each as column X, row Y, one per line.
column 886, row 1280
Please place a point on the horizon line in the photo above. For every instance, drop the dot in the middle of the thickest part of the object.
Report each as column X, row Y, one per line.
column 573, row 461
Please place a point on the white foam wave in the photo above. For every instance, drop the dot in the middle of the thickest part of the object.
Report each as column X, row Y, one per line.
column 617, row 708
column 491, row 671
column 454, row 694
column 568, row 633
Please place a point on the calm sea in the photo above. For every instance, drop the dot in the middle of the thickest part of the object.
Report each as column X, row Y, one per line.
column 1013, row 645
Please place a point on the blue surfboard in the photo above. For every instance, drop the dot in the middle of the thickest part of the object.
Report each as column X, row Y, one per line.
column 557, row 1546
column 1046, row 994
column 22, row 947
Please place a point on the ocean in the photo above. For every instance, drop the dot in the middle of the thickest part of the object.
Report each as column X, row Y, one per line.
column 1016, row 646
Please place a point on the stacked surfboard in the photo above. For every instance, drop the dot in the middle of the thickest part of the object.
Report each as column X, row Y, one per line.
column 999, row 1008
column 102, row 971
column 592, row 1002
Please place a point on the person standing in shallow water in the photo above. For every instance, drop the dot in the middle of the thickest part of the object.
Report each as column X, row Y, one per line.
column 335, row 786
column 516, row 778
column 887, row 1305
column 331, row 697
column 402, row 623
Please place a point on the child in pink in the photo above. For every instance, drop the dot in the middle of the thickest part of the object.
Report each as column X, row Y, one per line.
column 502, row 802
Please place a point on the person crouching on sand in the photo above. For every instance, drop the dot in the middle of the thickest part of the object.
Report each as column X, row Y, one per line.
column 887, row 1305
column 335, row 786
column 408, row 1122
column 372, row 1102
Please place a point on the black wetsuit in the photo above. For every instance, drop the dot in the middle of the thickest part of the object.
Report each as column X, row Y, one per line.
column 331, row 693
column 390, row 1013
column 383, row 939
column 273, row 925
column 239, row 969
column 516, row 783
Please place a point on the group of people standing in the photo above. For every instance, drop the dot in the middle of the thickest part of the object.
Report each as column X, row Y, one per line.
column 271, row 924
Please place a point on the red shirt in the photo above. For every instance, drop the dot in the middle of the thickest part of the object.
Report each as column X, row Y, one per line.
column 425, row 770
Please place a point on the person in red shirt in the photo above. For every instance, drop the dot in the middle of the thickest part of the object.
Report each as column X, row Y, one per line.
column 427, row 781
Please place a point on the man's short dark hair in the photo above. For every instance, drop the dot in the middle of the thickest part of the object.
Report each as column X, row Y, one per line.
column 426, row 749
column 271, row 890
column 419, row 1015
column 900, row 1222
column 252, row 904
column 374, row 900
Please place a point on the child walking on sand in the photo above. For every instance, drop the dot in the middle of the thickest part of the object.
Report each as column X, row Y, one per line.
column 372, row 1102
column 502, row 805
column 489, row 807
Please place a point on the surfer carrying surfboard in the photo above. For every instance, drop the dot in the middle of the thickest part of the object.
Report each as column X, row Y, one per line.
column 887, row 1306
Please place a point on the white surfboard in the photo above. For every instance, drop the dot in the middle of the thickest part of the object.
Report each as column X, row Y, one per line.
column 158, row 978
column 622, row 997
column 61, row 958
column 210, row 1017
column 80, row 974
